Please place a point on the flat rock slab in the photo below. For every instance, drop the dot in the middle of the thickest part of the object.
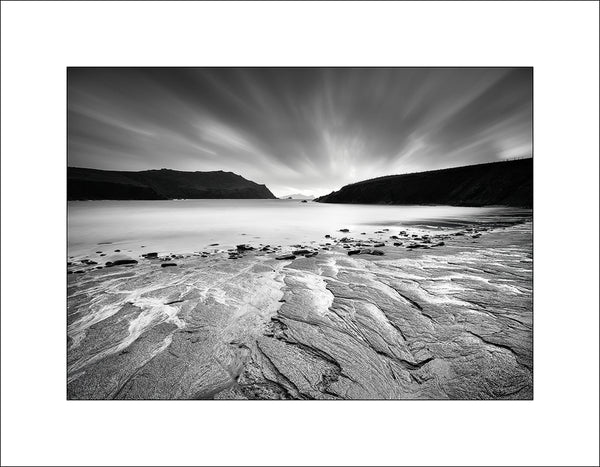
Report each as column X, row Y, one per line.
column 452, row 322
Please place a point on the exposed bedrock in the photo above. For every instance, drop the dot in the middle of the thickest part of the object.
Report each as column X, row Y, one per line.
column 430, row 324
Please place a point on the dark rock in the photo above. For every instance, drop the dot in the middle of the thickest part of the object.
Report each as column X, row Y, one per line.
column 371, row 251
column 301, row 252
column 281, row 257
column 344, row 230
column 166, row 265
column 327, row 236
column 353, row 252
column 379, row 244
column 69, row 272
column 397, row 243
column 244, row 247
column 117, row 251
column 120, row 262
column 439, row 244
column 416, row 245
column 78, row 272
column 151, row 255
column 213, row 244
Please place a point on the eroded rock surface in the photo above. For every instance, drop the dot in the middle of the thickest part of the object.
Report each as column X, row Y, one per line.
column 452, row 322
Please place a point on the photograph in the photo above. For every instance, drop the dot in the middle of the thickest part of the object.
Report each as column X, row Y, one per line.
column 299, row 233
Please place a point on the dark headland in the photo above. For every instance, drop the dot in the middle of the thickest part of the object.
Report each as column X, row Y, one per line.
column 506, row 183
column 93, row 184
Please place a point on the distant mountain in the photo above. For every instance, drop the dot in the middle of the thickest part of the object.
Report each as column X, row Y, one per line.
column 297, row 196
column 508, row 183
column 85, row 184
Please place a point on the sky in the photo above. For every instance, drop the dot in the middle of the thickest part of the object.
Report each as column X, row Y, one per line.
column 297, row 130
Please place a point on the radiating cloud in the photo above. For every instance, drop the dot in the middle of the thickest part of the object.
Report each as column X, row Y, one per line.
column 308, row 130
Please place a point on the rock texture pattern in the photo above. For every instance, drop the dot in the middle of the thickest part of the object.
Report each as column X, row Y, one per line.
column 450, row 322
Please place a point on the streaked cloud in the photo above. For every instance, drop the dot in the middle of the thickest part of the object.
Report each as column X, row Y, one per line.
column 307, row 130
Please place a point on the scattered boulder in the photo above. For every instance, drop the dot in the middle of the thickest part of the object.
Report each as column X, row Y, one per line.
column 118, row 260
column 439, row 244
column 344, row 230
column 379, row 244
column 353, row 252
column 397, row 243
column 214, row 244
column 244, row 247
column 166, row 265
column 301, row 252
column 327, row 236
column 151, row 255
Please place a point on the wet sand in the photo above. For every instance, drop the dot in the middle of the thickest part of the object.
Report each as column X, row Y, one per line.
column 419, row 321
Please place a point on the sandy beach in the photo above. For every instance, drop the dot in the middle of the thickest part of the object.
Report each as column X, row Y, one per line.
column 384, row 314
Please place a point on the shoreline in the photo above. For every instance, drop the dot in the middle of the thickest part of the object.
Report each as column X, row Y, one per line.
column 427, row 322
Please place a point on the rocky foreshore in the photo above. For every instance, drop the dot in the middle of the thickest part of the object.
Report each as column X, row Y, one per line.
column 402, row 314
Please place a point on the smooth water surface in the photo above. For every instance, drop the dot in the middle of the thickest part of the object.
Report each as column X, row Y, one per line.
column 185, row 226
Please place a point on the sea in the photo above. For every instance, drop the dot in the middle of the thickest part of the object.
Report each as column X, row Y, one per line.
column 190, row 226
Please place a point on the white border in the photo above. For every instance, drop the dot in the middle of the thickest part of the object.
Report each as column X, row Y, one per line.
column 39, row 39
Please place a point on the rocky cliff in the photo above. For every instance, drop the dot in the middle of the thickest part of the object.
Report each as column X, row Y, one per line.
column 508, row 183
column 85, row 184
